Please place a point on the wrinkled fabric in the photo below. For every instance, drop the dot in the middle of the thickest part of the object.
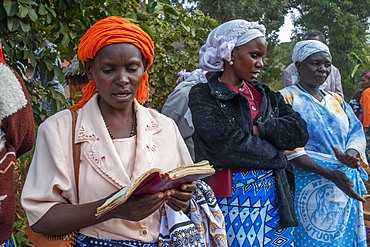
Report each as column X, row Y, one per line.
column 306, row 48
column 112, row 30
column 252, row 217
column 327, row 216
column 223, row 39
column 17, row 136
column 203, row 226
column 176, row 107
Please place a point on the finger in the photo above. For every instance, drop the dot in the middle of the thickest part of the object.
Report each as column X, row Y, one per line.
column 183, row 195
column 336, row 152
column 173, row 205
column 355, row 195
column 179, row 203
column 189, row 187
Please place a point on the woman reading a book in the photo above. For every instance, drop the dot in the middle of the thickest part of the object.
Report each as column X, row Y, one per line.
column 242, row 127
column 119, row 140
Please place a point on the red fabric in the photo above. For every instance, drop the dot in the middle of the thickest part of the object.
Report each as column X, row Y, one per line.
column 111, row 30
column 257, row 97
column 1, row 53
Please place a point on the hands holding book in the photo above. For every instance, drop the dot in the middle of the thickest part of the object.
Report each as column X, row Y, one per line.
column 139, row 207
column 148, row 192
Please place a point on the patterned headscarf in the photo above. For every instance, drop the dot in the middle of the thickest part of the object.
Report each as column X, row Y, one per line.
column 223, row 39
column 111, row 30
column 366, row 74
column 306, row 48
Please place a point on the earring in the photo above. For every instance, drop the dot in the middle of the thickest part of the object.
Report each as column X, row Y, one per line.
column 231, row 62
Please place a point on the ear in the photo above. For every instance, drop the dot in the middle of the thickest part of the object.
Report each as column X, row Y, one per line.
column 297, row 65
column 88, row 69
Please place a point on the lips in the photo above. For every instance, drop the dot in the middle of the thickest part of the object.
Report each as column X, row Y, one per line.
column 255, row 74
column 121, row 95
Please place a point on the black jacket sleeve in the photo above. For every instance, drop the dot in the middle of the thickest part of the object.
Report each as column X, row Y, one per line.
column 284, row 128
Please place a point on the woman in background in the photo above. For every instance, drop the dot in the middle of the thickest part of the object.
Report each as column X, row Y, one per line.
column 332, row 158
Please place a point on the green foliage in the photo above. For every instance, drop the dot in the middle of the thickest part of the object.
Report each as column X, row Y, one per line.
column 362, row 66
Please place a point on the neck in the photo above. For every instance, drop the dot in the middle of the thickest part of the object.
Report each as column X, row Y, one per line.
column 314, row 91
column 232, row 82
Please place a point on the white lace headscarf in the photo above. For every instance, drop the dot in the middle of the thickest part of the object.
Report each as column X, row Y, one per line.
column 306, row 48
column 223, row 39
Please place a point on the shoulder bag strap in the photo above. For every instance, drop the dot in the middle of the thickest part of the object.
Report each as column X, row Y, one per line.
column 76, row 153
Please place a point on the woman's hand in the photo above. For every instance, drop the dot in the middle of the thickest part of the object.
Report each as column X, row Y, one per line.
column 344, row 184
column 256, row 131
column 337, row 177
column 139, row 207
column 180, row 199
column 349, row 158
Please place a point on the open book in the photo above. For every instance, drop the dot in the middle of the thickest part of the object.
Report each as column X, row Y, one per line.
column 155, row 180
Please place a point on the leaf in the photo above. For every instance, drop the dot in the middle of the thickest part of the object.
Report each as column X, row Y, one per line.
column 65, row 39
column 10, row 24
column 42, row 10
column 13, row 24
column 11, row 7
column 32, row 14
column 51, row 11
column 25, row 26
column 165, row 1
column 355, row 70
column 151, row 7
column 170, row 10
column 131, row 16
column 30, row 2
column 23, row 11
column 148, row 30
column 48, row 64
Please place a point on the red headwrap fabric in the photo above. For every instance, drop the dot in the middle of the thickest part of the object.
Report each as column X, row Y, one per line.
column 1, row 53
column 111, row 30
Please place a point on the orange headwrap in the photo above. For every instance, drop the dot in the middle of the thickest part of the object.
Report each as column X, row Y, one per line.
column 111, row 30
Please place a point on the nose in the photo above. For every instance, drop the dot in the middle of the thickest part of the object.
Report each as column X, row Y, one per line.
column 322, row 68
column 122, row 77
column 259, row 63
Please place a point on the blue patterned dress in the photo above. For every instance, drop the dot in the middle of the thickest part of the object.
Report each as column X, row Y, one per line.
column 9, row 243
column 327, row 216
column 251, row 214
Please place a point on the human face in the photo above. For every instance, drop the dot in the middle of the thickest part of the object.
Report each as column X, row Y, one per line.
column 248, row 58
column 314, row 70
column 117, row 70
column 364, row 82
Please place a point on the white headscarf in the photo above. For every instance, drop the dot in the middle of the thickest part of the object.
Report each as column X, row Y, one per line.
column 306, row 48
column 223, row 39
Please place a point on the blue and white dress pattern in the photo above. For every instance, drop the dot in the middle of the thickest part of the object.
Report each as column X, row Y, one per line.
column 327, row 216
column 251, row 214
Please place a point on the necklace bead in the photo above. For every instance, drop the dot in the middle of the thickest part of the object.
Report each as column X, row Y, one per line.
column 133, row 126
column 317, row 106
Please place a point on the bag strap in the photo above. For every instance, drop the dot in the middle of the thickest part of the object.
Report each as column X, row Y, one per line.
column 76, row 153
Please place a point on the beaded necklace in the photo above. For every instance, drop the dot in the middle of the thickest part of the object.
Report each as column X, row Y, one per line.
column 318, row 108
column 133, row 127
